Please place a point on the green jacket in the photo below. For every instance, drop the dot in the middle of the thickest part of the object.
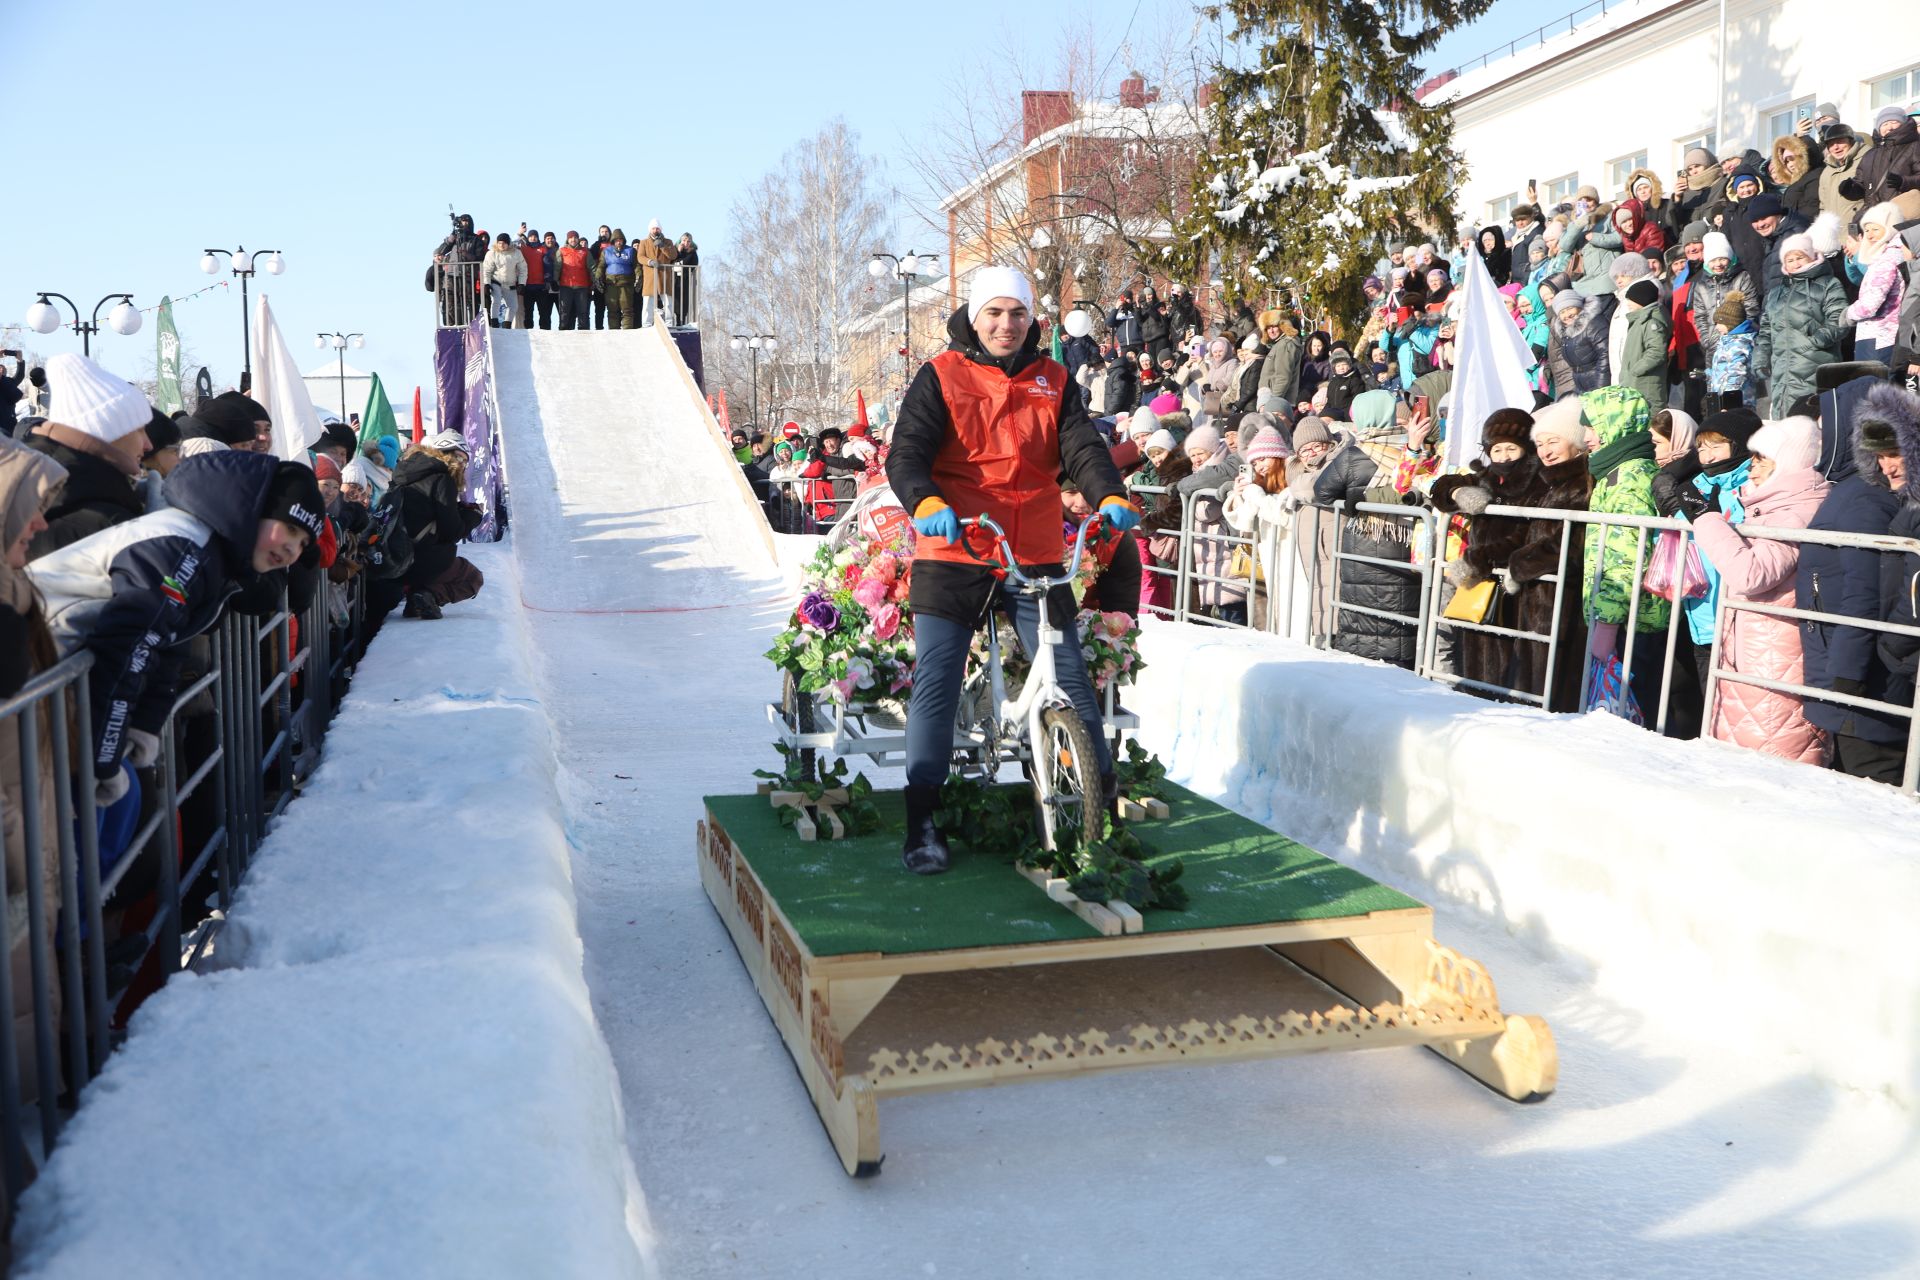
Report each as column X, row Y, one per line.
column 1802, row 328
column 1643, row 357
column 1614, row 412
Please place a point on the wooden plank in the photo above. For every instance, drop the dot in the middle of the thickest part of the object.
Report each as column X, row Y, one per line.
column 1131, row 921
column 1156, row 808
column 1520, row 1062
column 850, row 1000
column 1131, row 811
column 800, row 799
column 835, row 829
column 1098, row 917
column 803, row 826
column 1410, row 920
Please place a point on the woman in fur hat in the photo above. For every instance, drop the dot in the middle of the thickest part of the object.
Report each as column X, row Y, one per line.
column 1363, row 471
column 1551, row 550
column 1795, row 170
column 1508, row 475
column 1644, row 185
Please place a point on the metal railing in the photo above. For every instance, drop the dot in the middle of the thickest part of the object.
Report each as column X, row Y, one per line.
column 1308, row 554
column 802, row 504
column 245, row 730
column 458, row 295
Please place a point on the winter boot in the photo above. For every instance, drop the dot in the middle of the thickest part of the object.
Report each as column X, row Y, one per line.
column 925, row 851
column 1110, row 796
column 421, row 604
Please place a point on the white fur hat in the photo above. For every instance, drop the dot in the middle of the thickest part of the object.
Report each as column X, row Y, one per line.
column 82, row 395
column 997, row 282
column 1792, row 443
column 1562, row 419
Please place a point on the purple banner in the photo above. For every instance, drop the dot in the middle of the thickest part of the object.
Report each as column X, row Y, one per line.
column 476, row 424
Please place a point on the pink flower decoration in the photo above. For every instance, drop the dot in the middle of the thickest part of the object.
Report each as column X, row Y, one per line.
column 870, row 592
column 885, row 568
column 886, row 619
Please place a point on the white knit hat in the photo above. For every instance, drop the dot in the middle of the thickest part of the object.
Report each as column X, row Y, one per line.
column 1143, row 423
column 997, row 282
column 1162, row 439
column 92, row 401
column 1792, row 443
column 1715, row 245
column 357, row 472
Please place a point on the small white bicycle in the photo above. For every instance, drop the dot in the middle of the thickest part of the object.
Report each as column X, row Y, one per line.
column 1039, row 726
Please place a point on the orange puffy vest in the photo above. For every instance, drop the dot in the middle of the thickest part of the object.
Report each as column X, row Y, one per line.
column 1001, row 457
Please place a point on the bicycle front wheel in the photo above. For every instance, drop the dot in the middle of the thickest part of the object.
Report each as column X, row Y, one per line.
column 1066, row 779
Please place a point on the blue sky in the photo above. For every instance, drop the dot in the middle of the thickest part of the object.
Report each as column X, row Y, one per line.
column 142, row 133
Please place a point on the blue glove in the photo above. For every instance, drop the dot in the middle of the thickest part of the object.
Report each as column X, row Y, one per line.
column 1121, row 514
column 936, row 520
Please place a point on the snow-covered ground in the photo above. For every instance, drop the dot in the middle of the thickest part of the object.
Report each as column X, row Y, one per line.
column 359, row 1107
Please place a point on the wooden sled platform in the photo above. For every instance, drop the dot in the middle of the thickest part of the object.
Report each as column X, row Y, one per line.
column 885, row 983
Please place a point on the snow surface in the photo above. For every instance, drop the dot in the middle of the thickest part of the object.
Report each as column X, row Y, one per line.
column 1686, row 1139
column 395, row 1070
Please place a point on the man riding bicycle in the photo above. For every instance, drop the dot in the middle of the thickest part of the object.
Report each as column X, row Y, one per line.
column 987, row 429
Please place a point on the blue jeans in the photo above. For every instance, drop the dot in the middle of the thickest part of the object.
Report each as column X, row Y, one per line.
column 940, row 666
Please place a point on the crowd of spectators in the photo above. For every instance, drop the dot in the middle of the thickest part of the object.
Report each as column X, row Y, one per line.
column 1738, row 356
column 602, row 283
column 131, row 534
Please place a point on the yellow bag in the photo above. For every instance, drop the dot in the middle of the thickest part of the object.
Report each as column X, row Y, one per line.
column 1240, row 565
column 1474, row 603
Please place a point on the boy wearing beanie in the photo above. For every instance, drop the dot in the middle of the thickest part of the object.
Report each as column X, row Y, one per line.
column 1732, row 353
column 1643, row 351
column 134, row 594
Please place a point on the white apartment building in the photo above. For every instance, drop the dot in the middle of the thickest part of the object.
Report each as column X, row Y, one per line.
column 1638, row 85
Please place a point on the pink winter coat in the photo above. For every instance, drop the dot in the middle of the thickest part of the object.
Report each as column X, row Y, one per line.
column 1761, row 570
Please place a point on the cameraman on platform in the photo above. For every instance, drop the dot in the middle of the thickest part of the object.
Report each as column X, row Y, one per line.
column 458, row 288
column 987, row 429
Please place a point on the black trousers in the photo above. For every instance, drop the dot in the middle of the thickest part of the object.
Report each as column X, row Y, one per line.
column 536, row 297
column 1875, row 761
column 573, row 308
column 599, row 309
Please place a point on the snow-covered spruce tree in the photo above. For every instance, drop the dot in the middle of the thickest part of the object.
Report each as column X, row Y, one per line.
column 1317, row 149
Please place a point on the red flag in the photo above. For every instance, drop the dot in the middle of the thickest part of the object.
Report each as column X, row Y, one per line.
column 726, row 423
column 860, row 403
column 419, row 430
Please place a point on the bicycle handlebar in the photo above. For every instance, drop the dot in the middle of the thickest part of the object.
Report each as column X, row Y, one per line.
column 1006, row 553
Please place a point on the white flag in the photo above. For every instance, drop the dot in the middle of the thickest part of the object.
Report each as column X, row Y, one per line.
column 277, row 384
column 1490, row 365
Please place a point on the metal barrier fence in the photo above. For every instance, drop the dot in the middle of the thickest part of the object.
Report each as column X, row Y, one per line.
column 1293, row 579
column 460, row 294
column 242, row 734
column 794, row 505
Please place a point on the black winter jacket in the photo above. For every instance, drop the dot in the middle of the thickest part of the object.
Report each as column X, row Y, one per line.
column 136, row 593
column 430, row 505
column 1345, row 479
column 96, row 496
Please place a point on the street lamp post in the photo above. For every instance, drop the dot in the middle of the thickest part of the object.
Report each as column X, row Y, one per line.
column 242, row 263
column 906, row 268
column 339, row 341
column 44, row 317
column 755, row 342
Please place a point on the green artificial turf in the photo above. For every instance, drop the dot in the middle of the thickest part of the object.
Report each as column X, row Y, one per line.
column 852, row 895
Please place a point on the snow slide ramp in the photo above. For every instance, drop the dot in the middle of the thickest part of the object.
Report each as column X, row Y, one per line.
column 623, row 497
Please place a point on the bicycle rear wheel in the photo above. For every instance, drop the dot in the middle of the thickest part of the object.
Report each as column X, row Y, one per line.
column 1066, row 778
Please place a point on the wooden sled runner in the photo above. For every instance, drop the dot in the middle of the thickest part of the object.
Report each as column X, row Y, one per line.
column 885, row 984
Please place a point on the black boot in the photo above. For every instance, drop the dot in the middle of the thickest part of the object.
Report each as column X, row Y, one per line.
column 1110, row 795
column 925, row 851
column 422, row 605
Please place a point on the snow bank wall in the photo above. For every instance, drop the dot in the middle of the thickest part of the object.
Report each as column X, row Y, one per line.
column 394, row 1070
column 1760, row 907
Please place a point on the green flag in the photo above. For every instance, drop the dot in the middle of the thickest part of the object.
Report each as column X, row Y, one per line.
column 376, row 420
column 166, row 369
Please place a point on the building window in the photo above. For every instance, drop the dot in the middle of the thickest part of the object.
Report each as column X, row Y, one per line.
column 1559, row 190
column 1617, row 170
column 1500, row 210
column 1896, row 90
column 1781, row 120
column 1710, row 141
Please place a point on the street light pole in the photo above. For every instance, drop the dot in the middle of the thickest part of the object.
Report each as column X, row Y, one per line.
column 44, row 317
column 906, row 268
column 754, row 342
column 242, row 263
column 339, row 343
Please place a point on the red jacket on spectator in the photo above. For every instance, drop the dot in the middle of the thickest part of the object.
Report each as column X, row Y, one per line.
column 536, row 256
column 1685, row 345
